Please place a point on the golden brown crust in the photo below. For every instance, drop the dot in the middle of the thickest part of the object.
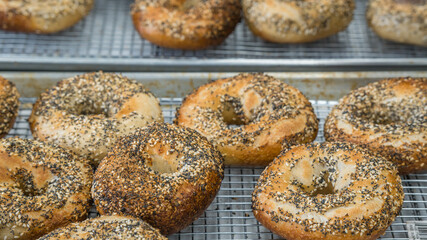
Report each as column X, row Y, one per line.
column 107, row 227
column 268, row 112
column 88, row 113
column 297, row 21
column 401, row 21
column 186, row 24
column 389, row 118
column 332, row 191
column 9, row 106
column 47, row 16
column 168, row 176
column 41, row 188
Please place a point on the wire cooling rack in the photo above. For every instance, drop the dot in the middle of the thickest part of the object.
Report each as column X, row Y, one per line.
column 107, row 35
column 230, row 215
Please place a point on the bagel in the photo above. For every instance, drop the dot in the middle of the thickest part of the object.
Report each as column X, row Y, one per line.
column 164, row 174
column 403, row 21
column 41, row 188
column 328, row 191
column 9, row 106
column 297, row 21
column 88, row 113
column 388, row 117
column 186, row 24
column 42, row 16
column 106, row 227
column 268, row 114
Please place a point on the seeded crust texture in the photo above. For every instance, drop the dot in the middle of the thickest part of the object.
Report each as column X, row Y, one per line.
column 388, row 117
column 88, row 113
column 297, row 21
column 9, row 105
column 42, row 187
column 328, row 191
column 42, row 16
column 186, row 24
column 164, row 174
column 107, row 227
column 269, row 115
column 403, row 21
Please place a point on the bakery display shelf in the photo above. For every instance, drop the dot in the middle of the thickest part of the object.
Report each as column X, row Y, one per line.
column 107, row 38
column 230, row 215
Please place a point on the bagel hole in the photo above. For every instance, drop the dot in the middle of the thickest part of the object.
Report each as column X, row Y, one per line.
column 162, row 164
column 232, row 112
column 25, row 182
column 89, row 109
column 322, row 186
column 328, row 188
column 385, row 117
column 92, row 112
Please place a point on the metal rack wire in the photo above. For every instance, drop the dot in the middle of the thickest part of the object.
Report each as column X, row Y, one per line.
column 230, row 215
column 107, row 35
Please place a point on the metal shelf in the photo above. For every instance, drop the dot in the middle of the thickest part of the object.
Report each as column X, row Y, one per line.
column 230, row 215
column 106, row 39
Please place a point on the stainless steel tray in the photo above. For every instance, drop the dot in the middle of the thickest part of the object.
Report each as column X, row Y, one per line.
column 230, row 215
column 106, row 39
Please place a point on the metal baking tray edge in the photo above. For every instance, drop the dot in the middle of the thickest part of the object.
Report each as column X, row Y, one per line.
column 211, row 65
column 315, row 85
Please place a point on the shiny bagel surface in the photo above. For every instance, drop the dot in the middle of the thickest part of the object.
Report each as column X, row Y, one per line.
column 186, row 24
column 165, row 174
column 42, row 16
column 42, row 187
column 297, row 21
column 89, row 112
column 403, row 21
column 328, row 191
column 388, row 117
column 9, row 105
column 106, row 227
column 249, row 117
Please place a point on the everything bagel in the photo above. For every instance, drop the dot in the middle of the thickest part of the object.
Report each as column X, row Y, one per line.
column 401, row 21
column 9, row 105
column 42, row 16
column 388, row 117
column 164, row 174
column 328, row 191
column 186, row 24
column 106, row 227
column 249, row 117
column 41, row 188
column 88, row 113
column 297, row 21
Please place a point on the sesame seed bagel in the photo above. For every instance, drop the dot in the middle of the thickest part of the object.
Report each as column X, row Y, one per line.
column 328, row 191
column 164, row 174
column 403, row 21
column 297, row 21
column 42, row 16
column 42, row 187
column 107, row 227
column 388, row 117
column 88, row 113
column 186, row 24
column 268, row 114
column 9, row 105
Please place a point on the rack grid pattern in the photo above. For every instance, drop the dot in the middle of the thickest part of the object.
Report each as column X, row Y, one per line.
column 230, row 215
column 108, row 33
